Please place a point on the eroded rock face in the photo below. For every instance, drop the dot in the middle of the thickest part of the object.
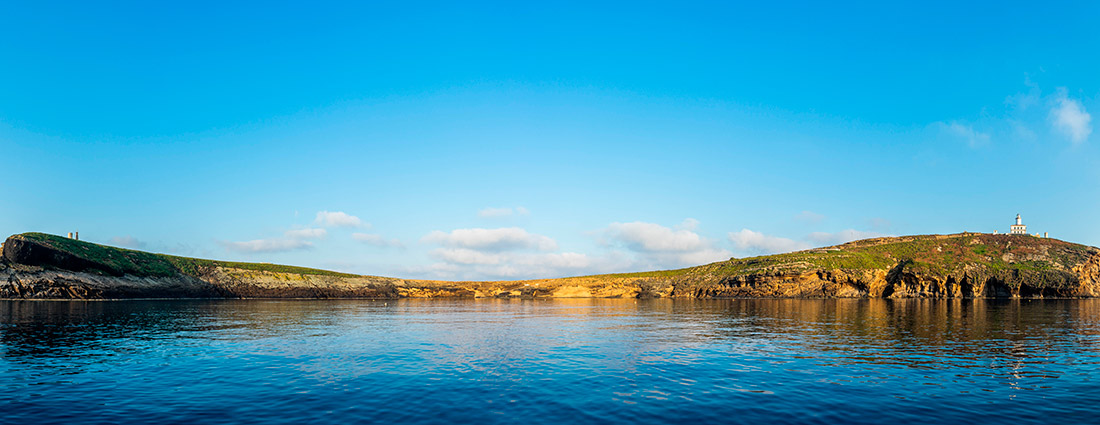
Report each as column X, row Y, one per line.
column 37, row 282
column 28, row 270
column 20, row 251
column 30, row 282
column 836, row 283
column 1088, row 274
column 899, row 282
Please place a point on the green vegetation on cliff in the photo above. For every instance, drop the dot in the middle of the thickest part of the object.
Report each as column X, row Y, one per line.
column 120, row 261
column 959, row 265
column 930, row 254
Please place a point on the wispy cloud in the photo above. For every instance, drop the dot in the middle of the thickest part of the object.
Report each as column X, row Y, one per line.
column 308, row 233
column 843, row 236
column 1069, row 117
column 879, row 224
column 688, row 224
column 967, row 133
column 1030, row 116
column 461, row 264
column 127, row 242
column 759, row 243
column 505, row 253
column 339, row 219
column 467, row 256
column 505, row 238
column 292, row 240
column 502, row 212
column 1023, row 101
column 267, row 245
column 177, row 248
column 515, row 253
column 377, row 240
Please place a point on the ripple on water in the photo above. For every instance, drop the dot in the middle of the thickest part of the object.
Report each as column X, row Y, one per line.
column 549, row 361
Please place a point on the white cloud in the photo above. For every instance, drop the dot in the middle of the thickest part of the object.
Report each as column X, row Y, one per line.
column 377, row 240
column 549, row 264
column 756, row 242
column 568, row 260
column 651, row 237
column 294, row 239
column 127, row 242
column 658, row 246
column 267, row 245
column 685, row 259
column 514, row 253
column 966, row 132
column 826, row 239
column 502, row 212
column 467, row 256
column 502, row 239
column 1069, row 117
column 462, row 264
column 339, row 219
column 309, row 233
column 508, row 253
column 809, row 217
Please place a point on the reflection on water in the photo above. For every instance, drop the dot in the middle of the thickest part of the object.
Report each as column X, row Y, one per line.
column 553, row 361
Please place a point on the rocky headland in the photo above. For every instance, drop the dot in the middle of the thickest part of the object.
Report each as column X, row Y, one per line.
column 964, row 265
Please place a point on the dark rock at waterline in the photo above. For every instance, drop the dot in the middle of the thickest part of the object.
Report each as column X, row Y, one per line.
column 965, row 265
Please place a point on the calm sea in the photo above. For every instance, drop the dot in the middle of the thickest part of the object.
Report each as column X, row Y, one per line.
column 550, row 361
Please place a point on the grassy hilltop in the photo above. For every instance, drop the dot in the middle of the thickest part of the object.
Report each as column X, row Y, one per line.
column 958, row 265
column 933, row 254
column 120, row 261
column 936, row 254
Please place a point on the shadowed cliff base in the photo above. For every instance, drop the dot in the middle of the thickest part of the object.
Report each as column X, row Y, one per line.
column 964, row 265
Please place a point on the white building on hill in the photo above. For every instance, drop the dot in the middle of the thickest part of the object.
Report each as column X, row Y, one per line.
column 1019, row 228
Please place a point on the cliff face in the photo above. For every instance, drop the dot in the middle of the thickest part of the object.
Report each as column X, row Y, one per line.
column 936, row 266
column 30, row 282
column 20, row 281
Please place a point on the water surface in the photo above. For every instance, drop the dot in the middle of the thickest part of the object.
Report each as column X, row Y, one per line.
column 550, row 361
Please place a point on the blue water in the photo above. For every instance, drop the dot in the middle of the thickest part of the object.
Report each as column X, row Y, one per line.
column 550, row 361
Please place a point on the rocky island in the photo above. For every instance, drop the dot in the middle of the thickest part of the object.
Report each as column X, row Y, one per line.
column 963, row 265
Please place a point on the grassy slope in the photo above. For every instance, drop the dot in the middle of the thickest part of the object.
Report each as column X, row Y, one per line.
column 932, row 254
column 140, row 263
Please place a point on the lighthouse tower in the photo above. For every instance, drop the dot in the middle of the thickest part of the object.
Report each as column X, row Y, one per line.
column 1019, row 228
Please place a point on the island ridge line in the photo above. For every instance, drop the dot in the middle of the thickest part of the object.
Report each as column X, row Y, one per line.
column 963, row 265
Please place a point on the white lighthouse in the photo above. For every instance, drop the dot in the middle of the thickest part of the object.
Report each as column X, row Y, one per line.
column 1019, row 228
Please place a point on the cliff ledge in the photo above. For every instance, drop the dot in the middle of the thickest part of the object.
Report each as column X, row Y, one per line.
column 971, row 265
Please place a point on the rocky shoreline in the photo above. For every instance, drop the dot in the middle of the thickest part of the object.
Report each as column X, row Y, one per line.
column 1021, row 268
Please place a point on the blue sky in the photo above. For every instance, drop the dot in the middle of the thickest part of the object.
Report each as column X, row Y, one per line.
column 500, row 140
